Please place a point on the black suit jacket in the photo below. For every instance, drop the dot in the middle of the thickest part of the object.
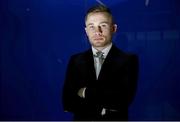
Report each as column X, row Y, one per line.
column 114, row 89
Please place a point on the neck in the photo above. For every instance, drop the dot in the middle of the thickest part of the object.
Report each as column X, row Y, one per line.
column 101, row 48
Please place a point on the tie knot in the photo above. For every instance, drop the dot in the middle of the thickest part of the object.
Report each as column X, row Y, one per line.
column 99, row 54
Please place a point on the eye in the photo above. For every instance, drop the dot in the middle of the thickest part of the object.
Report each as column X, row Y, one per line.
column 91, row 27
column 104, row 25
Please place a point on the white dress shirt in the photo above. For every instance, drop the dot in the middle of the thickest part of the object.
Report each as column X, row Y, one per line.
column 96, row 60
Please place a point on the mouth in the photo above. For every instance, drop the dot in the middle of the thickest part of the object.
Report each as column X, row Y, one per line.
column 98, row 39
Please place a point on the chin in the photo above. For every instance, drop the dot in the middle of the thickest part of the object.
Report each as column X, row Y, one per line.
column 99, row 45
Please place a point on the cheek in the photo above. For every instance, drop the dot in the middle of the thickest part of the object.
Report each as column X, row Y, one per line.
column 88, row 34
column 107, row 33
column 90, row 37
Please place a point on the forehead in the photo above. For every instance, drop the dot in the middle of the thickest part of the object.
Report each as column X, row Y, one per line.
column 98, row 16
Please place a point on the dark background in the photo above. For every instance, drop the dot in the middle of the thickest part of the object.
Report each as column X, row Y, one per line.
column 37, row 38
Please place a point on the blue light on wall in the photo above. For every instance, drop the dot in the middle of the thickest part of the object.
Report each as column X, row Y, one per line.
column 37, row 38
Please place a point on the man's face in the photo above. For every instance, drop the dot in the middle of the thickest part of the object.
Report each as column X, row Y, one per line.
column 99, row 29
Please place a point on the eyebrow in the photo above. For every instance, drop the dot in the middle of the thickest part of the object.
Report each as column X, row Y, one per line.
column 100, row 23
column 105, row 22
column 90, row 24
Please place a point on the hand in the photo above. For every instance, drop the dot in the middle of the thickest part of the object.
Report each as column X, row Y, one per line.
column 81, row 92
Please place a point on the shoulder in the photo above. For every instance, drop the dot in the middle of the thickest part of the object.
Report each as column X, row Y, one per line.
column 131, row 55
column 81, row 55
column 131, row 59
column 122, row 55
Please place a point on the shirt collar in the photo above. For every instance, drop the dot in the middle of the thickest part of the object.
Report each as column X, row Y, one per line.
column 105, row 50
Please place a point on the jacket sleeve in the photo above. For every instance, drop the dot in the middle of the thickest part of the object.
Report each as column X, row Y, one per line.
column 70, row 98
column 67, row 88
column 132, row 77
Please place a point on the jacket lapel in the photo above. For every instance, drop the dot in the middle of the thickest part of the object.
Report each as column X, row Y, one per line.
column 90, row 64
column 112, row 56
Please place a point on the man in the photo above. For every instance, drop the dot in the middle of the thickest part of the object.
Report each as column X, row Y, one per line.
column 100, row 83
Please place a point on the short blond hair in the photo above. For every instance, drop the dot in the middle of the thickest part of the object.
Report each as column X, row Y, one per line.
column 99, row 8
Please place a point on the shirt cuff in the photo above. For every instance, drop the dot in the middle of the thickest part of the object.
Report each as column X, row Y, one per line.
column 83, row 94
column 103, row 112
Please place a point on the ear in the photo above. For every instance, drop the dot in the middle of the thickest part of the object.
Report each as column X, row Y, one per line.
column 114, row 28
column 86, row 31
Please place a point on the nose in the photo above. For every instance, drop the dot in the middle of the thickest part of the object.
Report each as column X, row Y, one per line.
column 98, row 30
